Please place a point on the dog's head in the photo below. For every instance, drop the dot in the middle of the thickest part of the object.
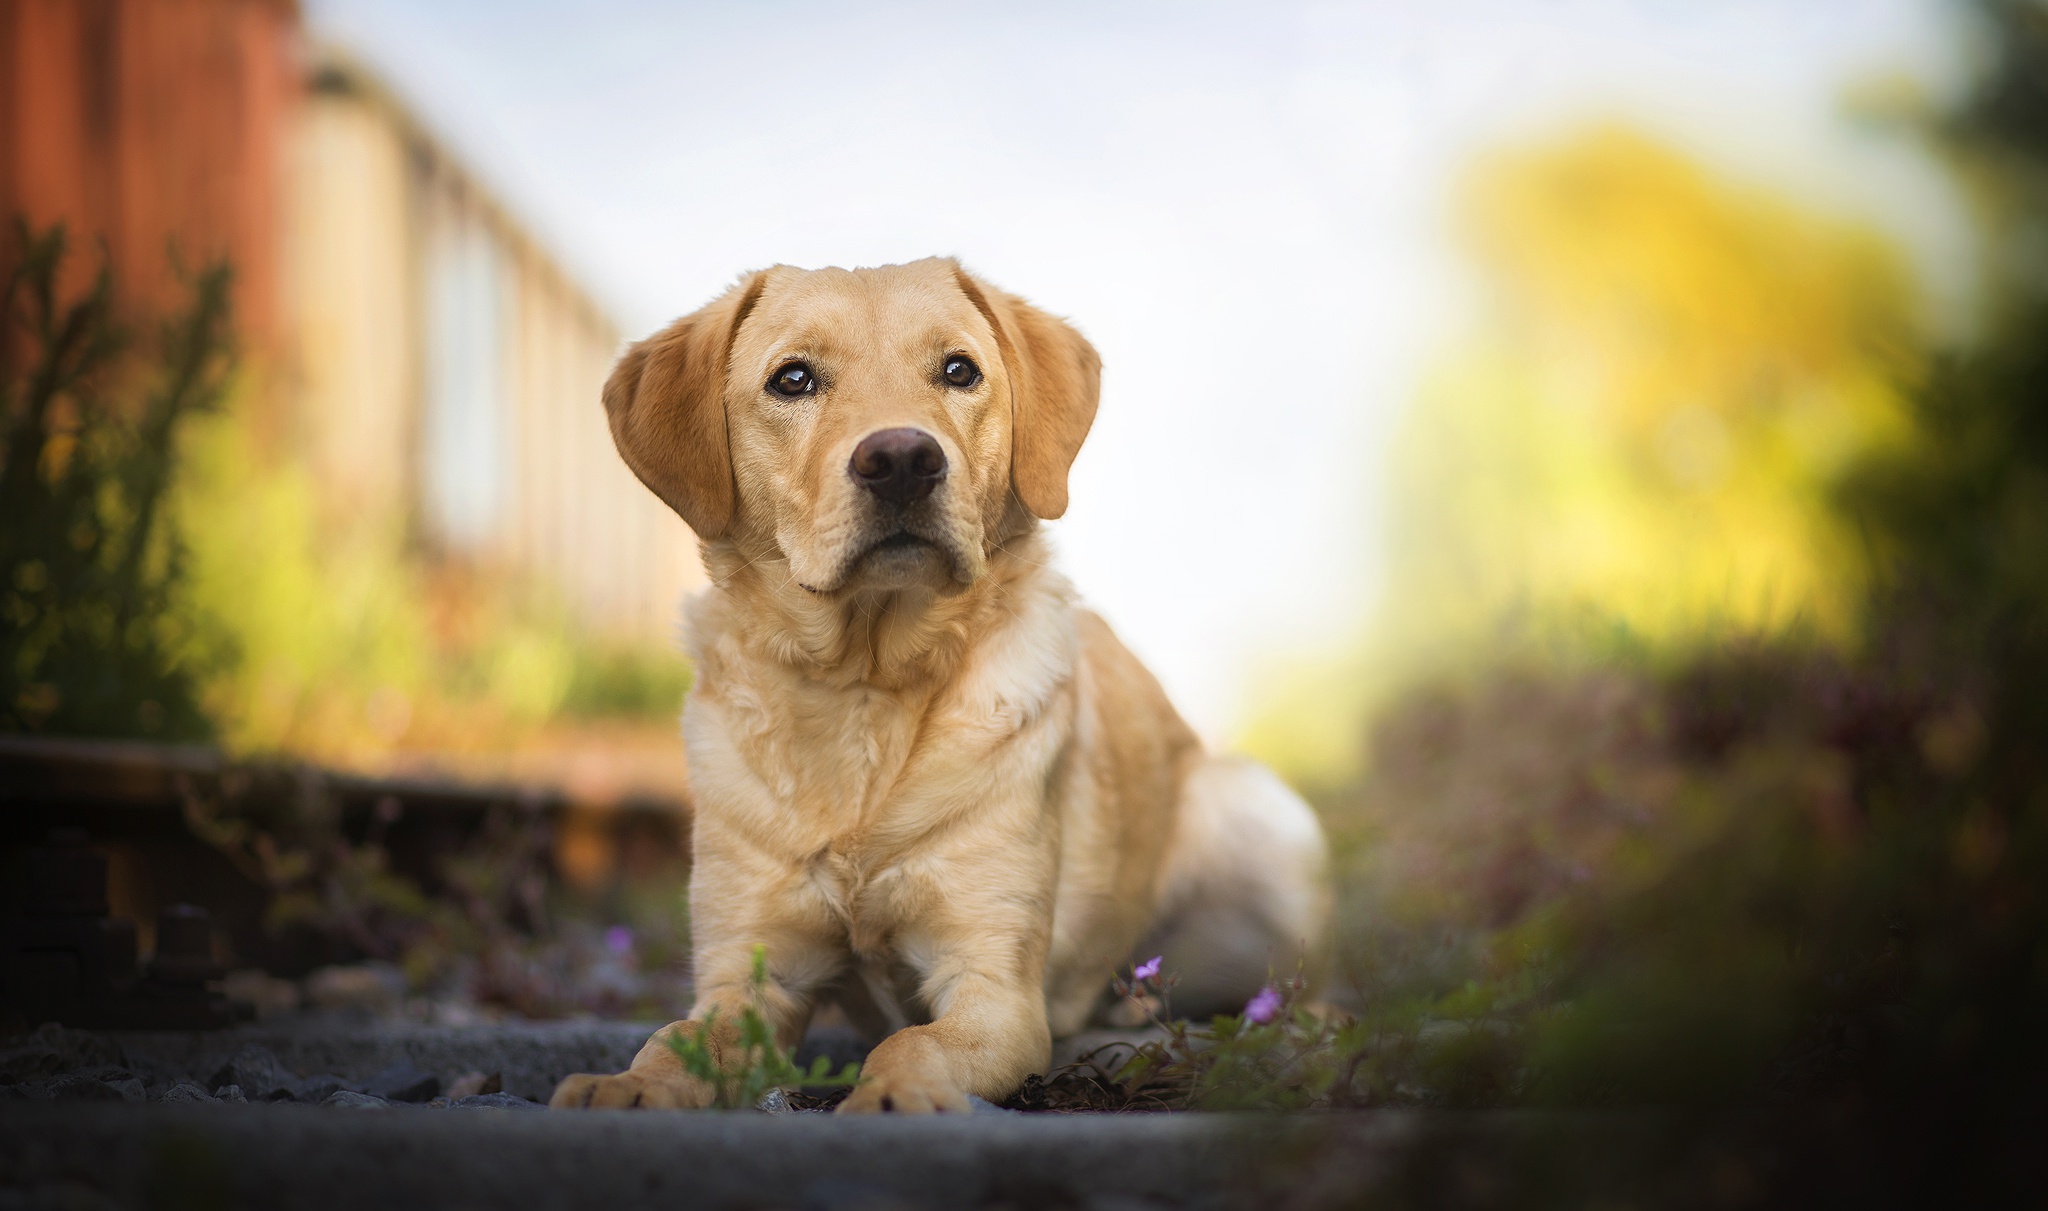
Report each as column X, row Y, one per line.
column 880, row 428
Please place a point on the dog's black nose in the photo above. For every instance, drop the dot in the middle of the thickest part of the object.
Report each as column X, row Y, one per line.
column 899, row 465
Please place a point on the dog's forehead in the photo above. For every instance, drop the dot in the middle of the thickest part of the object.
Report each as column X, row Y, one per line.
column 916, row 301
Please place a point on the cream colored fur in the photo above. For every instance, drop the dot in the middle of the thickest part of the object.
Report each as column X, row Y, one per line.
column 939, row 792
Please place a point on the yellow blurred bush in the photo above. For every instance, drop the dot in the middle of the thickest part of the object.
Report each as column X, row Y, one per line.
column 1638, row 441
column 343, row 643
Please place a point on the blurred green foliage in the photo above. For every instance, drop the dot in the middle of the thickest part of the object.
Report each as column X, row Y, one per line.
column 1765, row 870
column 1635, row 446
column 353, row 645
column 164, row 579
column 90, row 563
column 168, row 571
column 619, row 680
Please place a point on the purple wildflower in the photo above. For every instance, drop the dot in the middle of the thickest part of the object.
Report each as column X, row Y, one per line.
column 1264, row 1007
column 618, row 939
column 1148, row 969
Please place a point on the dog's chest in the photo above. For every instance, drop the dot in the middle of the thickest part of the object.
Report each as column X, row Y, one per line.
column 865, row 795
column 838, row 757
column 866, row 891
column 847, row 766
column 869, row 782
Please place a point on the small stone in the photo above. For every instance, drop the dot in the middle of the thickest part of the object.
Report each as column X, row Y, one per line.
column 317, row 1089
column 775, row 1101
column 469, row 1084
column 26, row 1091
column 75, row 1088
column 231, row 1093
column 403, row 1082
column 258, row 1073
column 51, row 1049
column 497, row 1101
column 348, row 1099
column 186, row 1091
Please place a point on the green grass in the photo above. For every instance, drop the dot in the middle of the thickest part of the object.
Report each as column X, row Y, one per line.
column 748, row 1064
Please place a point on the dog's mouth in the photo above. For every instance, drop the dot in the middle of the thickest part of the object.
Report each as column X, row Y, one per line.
column 900, row 544
column 899, row 557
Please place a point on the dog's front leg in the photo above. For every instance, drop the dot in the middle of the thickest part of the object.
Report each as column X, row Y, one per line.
column 989, row 1034
column 657, row 1079
column 799, row 959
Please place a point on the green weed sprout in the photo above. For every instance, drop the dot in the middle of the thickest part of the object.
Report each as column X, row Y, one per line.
column 756, row 1065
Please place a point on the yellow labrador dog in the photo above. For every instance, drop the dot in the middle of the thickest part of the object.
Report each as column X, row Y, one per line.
column 938, row 791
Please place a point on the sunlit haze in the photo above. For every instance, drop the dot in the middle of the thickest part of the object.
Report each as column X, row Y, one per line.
column 1243, row 206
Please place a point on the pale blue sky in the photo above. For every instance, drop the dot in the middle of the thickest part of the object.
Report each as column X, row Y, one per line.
column 1241, row 204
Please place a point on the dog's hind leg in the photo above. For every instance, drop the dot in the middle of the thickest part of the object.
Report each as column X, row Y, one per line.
column 1245, row 893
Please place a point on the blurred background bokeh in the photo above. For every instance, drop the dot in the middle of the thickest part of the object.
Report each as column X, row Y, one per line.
column 1593, row 448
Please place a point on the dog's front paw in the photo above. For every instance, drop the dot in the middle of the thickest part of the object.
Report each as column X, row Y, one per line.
column 907, row 1074
column 631, row 1090
column 905, row 1093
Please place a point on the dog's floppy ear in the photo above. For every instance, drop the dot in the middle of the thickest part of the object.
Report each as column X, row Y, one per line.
column 1055, row 382
column 666, row 402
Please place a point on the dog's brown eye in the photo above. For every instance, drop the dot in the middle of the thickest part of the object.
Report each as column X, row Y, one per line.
column 962, row 372
column 793, row 379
